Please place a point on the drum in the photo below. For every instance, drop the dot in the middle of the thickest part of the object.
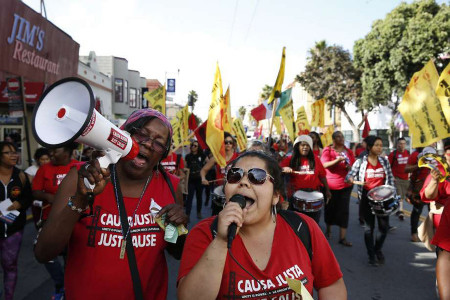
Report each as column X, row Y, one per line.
column 218, row 197
column 308, row 201
column 383, row 200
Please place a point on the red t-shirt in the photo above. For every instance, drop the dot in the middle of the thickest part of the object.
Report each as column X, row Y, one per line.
column 443, row 192
column 47, row 179
column 94, row 269
column 399, row 163
column 305, row 178
column 374, row 176
column 359, row 150
column 288, row 258
column 170, row 163
column 421, row 173
column 336, row 174
column 317, row 152
column 220, row 172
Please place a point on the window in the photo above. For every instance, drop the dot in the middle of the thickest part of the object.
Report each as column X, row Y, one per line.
column 138, row 98
column 125, row 91
column 118, row 90
column 132, row 97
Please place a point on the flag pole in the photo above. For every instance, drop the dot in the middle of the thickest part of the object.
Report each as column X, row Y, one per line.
column 275, row 100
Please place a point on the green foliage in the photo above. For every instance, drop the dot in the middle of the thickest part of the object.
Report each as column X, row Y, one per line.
column 330, row 74
column 399, row 46
column 242, row 111
column 192, row 98
column 267, row 89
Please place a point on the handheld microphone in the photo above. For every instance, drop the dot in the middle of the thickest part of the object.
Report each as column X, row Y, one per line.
column 233, row 227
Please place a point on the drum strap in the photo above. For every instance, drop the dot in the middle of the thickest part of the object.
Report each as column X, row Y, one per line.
column 294, row 220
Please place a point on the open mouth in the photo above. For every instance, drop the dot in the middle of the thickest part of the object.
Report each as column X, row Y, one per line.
column 248, row 201
column 140, row 160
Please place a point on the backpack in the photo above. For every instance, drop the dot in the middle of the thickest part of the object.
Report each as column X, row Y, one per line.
column 295, row 221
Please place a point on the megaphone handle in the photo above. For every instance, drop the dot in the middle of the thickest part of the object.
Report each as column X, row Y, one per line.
column 110, row 157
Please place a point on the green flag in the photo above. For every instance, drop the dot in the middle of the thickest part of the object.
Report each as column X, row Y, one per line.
column 285, row 97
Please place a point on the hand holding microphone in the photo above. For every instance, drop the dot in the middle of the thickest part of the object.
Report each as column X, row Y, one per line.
column 232, row 216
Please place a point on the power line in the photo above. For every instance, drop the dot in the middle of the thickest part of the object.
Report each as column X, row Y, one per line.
column 234, row 20
column 251, row 20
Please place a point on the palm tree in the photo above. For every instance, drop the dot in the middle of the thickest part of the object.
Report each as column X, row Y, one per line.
column 242, row 111
column 267, row 89
column 192, row 98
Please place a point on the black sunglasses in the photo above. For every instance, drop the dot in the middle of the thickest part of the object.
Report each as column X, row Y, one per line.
column 256, row 176
column 142, row 138
column 228, row 142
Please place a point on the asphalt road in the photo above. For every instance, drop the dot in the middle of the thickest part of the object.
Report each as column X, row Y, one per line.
column 409, row 272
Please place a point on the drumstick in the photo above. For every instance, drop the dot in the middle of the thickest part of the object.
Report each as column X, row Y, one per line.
column 359, row 182
column 295, row 172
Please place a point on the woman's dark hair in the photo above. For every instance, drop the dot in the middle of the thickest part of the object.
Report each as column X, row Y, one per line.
column 295, row 160
column 199, row 149
column 41, row 152
column 335, row 134
column 4, row 144
column 272, row 168
column 317, row 136
column 227, row 134
column 70, row 147
column 370, row 141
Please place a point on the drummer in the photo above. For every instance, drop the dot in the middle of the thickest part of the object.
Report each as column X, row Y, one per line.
column 373, row 170
column 306, row 172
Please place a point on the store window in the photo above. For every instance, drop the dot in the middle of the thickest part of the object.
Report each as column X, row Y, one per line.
column 132, row 97
column 118, row 90
column 125, row 91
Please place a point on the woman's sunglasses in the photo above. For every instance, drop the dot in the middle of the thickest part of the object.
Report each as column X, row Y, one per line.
column 256, row 176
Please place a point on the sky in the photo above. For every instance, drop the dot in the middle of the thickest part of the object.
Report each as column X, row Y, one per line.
column 186, row 38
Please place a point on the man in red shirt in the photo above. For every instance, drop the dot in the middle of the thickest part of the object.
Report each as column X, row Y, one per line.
column 398, row 160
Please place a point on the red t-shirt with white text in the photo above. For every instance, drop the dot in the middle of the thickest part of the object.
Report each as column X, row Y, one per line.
column 170, row 163
column 94, row 269
column 305, row 177
column 374, row 176
column 398, row 164
column 48, row 178
column 336, row 174
column 288, row 258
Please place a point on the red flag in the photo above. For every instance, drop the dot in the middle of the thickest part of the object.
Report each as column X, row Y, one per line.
column 200, row 134
column 192, row 122
column 366, row 129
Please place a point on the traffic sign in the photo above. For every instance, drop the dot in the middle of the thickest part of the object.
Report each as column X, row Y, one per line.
column 12, row 84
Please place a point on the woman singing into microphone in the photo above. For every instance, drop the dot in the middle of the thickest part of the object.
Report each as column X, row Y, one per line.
column 265, row 249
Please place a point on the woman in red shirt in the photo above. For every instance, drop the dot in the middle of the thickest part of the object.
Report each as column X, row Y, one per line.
column 306, row 172
column 337, row 161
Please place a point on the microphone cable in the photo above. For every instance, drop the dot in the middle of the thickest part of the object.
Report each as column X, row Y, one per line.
column 246, row 271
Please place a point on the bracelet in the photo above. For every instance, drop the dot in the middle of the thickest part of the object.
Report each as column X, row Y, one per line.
column 73, row 207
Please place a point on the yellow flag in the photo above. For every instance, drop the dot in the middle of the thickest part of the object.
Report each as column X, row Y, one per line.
column 302, row 123
column 327, row 138
column 226, row 106
column 276, row 91
column 318, row 113
column 183, row 116
column 176, row 137
column 239, row 132
column 214, row 127
column 421, row 108
column 443, row 92
column 287, row 114
column 157, row 99
column 277, row 123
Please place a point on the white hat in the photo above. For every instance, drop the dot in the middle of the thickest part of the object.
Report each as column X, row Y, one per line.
column 304, row 138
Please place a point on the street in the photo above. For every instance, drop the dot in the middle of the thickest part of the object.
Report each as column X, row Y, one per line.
column 407, row 274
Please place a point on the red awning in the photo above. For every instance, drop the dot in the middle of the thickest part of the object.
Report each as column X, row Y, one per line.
column 33, row 91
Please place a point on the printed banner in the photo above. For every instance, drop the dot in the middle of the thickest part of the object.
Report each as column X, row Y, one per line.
column 318, row 113
column 421, row 108
column 443, row 92
column 302, row 123
column 276, row 91
column 226, row 109
column 214, row 127
column 157, row 99
column 287, row 114
column 327, row 138
column 239, row 132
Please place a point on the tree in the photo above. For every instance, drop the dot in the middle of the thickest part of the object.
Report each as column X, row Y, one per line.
column 192, row 98
column 242, row 111
column 399, row 46
column 330, row 74
column 265, row 93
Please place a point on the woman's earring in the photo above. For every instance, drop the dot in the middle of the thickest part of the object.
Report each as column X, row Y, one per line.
column 274, row 213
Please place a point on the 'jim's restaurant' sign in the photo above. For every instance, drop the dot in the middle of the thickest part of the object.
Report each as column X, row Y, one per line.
column 32, row 47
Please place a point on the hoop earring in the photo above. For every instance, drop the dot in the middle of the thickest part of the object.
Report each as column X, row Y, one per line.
column 274, row 213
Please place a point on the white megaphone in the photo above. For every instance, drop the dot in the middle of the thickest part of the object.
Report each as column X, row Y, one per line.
column 65, row 113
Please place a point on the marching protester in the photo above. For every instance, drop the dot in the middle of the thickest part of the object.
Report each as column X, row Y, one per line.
column 435, row 190
column 45, row 185
column 16, row 191
column 337, row 161
column 317, row 143
column 306, row 174
column 41, row 157
column 398, row 160
column 230, row 155
column 195, row 160
column 374, row 170
column 127, row 239
column 264, row 247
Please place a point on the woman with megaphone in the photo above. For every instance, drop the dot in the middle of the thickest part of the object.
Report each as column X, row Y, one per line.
column 133, row 201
